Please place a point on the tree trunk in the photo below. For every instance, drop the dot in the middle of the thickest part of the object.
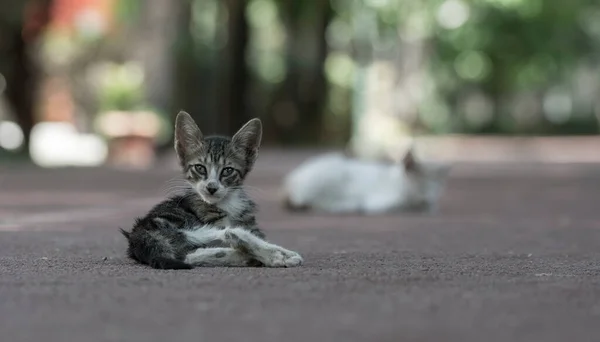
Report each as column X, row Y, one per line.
column 233, row 111
column 314, row 87
column 195, row 76
column 22, row 25
column 297, row 108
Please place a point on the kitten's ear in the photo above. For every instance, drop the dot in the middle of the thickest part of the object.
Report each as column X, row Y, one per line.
column 188, row 137
column 247, row 140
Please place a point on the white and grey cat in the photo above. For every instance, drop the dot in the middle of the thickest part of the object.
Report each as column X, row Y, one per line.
column 340, row 183
column 212, row 223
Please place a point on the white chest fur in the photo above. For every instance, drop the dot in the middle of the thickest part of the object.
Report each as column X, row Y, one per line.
column 233, row 206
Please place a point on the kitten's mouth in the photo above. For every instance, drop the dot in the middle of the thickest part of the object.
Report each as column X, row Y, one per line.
column 210, row 199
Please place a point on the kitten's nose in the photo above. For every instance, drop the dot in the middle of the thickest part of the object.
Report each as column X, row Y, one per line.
column 212, row 188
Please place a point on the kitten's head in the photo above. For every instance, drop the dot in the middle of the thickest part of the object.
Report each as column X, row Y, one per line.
column 428, row 180
column 214, row 165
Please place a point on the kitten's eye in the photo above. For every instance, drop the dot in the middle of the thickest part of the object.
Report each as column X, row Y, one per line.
column 228, row 171
column 200, row 169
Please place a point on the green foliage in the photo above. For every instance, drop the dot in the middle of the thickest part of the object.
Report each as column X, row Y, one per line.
column 485, row 61
column 498, row 48
column 127, row 10
column 121, row 87
column 512, row 46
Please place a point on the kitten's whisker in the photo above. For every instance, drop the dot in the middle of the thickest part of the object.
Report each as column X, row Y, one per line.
column 175, row 185
column 184, row 197
column 176, row 190
column 255, row 191
column 176, row 182
column 176, row 179
column 250, row 188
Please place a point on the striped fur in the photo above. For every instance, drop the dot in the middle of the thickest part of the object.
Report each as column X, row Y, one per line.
column 213, row 223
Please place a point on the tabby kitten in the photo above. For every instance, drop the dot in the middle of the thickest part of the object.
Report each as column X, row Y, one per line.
column 212, row 223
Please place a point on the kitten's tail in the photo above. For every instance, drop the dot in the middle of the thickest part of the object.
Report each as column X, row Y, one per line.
column 144, row 249
column 125, row 233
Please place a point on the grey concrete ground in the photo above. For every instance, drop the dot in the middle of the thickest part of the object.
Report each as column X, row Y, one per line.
column 514, row 255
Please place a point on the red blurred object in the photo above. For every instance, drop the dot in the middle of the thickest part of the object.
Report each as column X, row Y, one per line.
column 65, row 12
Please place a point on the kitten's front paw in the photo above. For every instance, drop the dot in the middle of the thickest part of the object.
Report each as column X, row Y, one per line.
column 266, row 253
column 237, row 243
column 274, row 258
column 293, row 260
column 284, row 258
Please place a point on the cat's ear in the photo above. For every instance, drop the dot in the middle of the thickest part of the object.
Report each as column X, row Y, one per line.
column 409, row 161
column 188, row 137
column 247, row 140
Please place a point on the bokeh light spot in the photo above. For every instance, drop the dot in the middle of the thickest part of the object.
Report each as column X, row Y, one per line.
column 472, row 65
column 339, row 69
column 453, row 14
column 11, row 135
column 558, row 106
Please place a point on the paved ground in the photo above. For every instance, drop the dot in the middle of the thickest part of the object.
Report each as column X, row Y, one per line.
column 513, row 256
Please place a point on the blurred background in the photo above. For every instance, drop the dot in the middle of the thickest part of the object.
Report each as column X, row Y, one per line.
column 95, row 82
column 507, row 91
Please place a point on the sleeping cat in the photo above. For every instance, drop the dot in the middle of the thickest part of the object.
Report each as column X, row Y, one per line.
column 341, row 183
column 213, row 222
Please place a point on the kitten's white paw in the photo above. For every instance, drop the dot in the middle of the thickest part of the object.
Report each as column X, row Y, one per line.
column 236, row 242
column 268, row 254
column 230, row 237
column 274, row 258
column 283, row 258
column 294, row 260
